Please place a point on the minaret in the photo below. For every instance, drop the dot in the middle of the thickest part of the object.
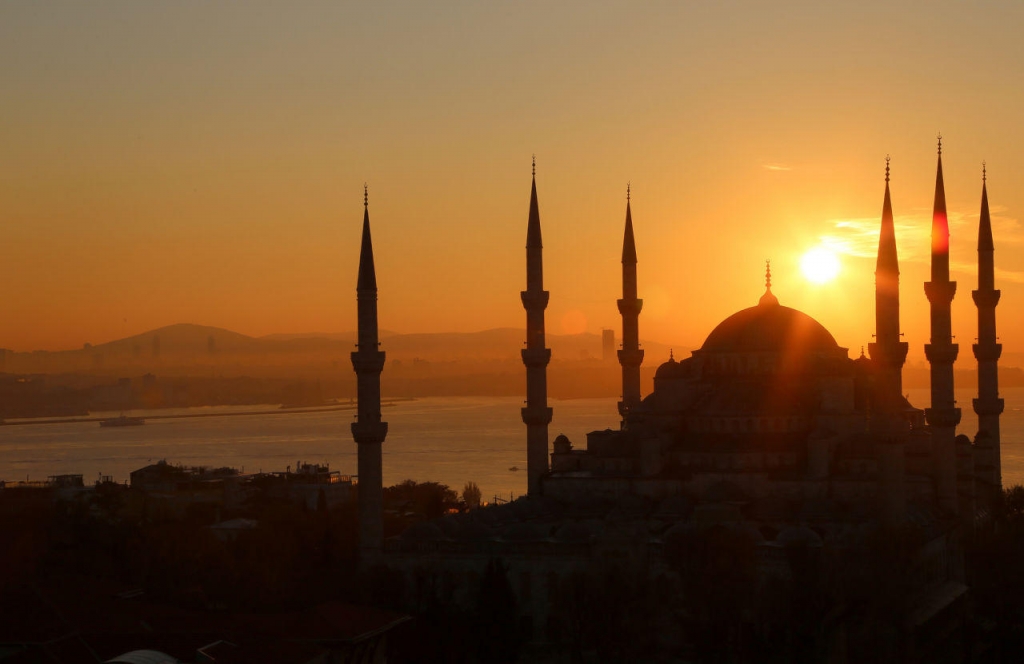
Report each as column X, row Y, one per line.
column 888, row 351
column 988, row 405
column 630, row 357
column 368, row 430
column 536, row 415
column 943, row 416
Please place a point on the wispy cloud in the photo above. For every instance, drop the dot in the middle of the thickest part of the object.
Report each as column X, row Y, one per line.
column 859, row 237
column 776, row 167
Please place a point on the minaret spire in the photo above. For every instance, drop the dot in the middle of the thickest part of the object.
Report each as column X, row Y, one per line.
column 988, row 405
column 368, row 430
column 943, row 416
column 888, row 351
column 631, row 356
column 536, row 414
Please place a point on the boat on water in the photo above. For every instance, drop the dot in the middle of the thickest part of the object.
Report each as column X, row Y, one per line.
column 122, row 421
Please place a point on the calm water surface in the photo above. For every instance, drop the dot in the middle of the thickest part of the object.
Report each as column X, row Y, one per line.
column 451, row 440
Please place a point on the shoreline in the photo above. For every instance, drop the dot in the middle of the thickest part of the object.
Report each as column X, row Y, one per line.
column 275, row 411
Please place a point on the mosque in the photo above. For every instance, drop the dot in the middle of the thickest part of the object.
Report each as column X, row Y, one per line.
column 769, row 433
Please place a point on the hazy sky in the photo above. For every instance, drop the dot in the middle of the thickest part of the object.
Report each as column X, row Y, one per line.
column 204, row 162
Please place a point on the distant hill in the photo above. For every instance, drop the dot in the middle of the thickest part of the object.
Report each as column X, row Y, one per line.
column 188, row 349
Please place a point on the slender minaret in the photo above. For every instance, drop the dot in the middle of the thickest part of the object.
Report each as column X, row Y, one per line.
column 536, row 415
column 888, row 351
column 368, row 430
column 988, row 405
column 943, row 416
column 630, row 357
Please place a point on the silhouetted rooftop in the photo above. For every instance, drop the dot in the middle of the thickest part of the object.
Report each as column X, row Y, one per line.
column 769, row 327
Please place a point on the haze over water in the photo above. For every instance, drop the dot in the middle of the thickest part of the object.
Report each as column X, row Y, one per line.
column 451, row 440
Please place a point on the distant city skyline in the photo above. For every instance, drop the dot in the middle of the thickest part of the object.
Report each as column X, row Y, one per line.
column 192, row 163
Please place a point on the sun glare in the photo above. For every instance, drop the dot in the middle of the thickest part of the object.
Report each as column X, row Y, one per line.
column 819, row 265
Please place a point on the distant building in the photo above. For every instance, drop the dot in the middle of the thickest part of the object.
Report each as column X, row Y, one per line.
column 608, row 345
column 312, row 485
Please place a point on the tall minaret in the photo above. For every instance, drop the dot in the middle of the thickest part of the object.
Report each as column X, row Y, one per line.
column 368, row 430
column 630, row 357
column 988, row 405
column 888, row 351
column 536, row 415
column 943, row 416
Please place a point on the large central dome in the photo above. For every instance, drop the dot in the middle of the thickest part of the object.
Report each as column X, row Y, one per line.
column 769, row 327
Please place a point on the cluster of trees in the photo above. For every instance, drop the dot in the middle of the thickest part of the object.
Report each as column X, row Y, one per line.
column 292, row 554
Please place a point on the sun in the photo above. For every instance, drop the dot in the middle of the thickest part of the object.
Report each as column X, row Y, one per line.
column 820, row 265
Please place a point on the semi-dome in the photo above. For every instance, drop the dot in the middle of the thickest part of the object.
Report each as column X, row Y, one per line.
column 769, row 327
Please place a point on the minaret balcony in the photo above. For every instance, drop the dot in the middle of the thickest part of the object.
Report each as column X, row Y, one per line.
column 942, row 353
column 631, row 358
column 630, row 307
column 988, row 406
column 536, row 357
column 986, row 298
column 889, row 354
column 940, row 292
column 368, row 361
column 537, row 415
column 987, row 352
column 369, row 432
column 942, row 417
column 535, row 299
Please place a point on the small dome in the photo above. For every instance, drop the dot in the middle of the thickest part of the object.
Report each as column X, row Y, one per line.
column 678, row 506
column 747, row 531
column 724, row 491
column 449, row 525
column 798, row 535
column 668, row 369
column 574, row 531
column 527, row 532
column 424, row 531
column 769, row 327
column 143, row 657
column 707, row 515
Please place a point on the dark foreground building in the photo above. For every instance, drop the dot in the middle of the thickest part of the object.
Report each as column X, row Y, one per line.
column 771, row 495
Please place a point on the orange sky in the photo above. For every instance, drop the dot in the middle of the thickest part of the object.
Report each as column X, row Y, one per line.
column 181, row 162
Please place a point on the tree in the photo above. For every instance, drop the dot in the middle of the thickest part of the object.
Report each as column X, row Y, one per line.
column 471, row 495
column 429, row 499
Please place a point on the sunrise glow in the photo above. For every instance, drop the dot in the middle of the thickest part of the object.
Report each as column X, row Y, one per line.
column 820, row 265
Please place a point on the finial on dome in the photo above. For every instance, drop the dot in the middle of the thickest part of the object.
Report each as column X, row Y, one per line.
column 534, row 165
column 862, row 351
column 887, row 168
column 768, row 297
column 940, row 144
column 366, row 196
column 671, row 356
column 984, row 173
column 627, row 192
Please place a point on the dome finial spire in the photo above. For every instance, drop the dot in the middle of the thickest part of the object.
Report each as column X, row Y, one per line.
column 366, row 196
column 984, row 173
column 940, row 143
column 887, row 169
column 768, row 297
column 534, row 165
column 627, row 191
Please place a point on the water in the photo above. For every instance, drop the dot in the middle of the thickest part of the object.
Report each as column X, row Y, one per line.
column 452, row 440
